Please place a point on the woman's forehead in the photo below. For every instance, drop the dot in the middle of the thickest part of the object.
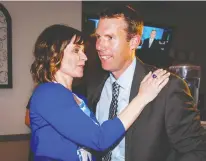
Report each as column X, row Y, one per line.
column 79, row 45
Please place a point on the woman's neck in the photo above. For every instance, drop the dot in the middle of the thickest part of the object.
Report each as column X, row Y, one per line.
column 64, row 79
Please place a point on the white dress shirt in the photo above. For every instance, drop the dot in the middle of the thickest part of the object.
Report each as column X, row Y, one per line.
column 150, row 42
column 102, row 111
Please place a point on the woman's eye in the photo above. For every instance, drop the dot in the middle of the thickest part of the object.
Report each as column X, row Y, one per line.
column 76, row 50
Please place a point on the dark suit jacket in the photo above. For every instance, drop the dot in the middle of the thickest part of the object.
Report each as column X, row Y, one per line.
column 151, row 55
column 168, row 127
column 155, row 44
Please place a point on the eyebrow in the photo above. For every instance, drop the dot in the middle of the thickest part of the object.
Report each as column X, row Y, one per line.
column 96, row 34
column 79, row 46
column 107, row 35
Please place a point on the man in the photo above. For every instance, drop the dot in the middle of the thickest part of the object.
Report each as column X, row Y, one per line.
column 168, row 128
column 151, row 42
column 150, row 51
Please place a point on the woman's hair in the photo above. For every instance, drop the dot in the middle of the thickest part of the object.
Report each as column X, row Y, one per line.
column 49, row 51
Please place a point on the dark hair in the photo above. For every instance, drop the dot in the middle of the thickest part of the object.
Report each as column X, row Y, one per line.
column 49, row 51
column 131, row 16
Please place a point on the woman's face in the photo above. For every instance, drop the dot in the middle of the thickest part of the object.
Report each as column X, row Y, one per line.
column 73, row 60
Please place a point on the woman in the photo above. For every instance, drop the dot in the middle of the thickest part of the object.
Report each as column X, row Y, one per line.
column 63, row 127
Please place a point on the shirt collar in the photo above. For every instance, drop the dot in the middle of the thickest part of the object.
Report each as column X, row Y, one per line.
column 125, row 80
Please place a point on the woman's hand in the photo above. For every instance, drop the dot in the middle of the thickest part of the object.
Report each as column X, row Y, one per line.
column 152, row 84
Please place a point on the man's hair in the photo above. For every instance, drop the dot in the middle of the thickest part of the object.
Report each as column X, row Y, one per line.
column 153, row 30
column 131, row 16
column 49, row 51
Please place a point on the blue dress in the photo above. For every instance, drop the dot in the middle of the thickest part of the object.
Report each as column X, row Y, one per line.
column 62, row 130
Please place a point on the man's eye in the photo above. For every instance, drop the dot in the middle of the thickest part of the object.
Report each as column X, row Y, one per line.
column 110, row 37
column 97, row 36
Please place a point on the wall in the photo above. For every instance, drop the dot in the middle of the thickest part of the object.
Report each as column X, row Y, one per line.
column 28, row 20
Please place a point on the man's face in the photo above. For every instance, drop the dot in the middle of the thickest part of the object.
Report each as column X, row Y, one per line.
column 153, row 34
column 114, row 51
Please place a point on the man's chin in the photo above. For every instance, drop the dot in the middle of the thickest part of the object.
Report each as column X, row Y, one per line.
column 106, row 68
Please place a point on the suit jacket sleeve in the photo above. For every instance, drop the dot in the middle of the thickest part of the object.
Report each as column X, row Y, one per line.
column 56, row 105
column 186, row 135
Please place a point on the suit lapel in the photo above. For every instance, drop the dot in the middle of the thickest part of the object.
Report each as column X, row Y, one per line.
column 137, row 78
column 95, row 95
column 139, row 74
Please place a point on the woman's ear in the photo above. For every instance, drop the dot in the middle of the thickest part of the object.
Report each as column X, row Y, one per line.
column 135, row 41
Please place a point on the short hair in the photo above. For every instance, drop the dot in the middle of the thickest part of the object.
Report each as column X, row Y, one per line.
column 49, row 51
column 131, row 16
column 153, row 30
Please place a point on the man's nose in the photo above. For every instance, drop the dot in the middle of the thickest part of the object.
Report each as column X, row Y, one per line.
column 100, row 44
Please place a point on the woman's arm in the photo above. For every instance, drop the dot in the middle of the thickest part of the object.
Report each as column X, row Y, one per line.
column 56, row 105
column 27, row 118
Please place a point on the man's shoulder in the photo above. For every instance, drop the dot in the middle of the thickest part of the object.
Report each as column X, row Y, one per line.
column 177, row 82
column 148, row 67
column 174, row 80
column 147, row 39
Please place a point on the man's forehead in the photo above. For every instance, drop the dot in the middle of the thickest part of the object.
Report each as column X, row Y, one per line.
column 110, row 25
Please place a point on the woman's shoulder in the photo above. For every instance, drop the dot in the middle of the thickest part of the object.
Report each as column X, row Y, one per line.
column 51, row 86
column 51, row 90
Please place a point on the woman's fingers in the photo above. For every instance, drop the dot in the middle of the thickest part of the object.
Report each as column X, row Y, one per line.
column 156, row 78
column 162, row 78
column 163, row 83
column 153, row 83
column 156, row 75
column 146, row 77
column 149, row 75
column 158, row 72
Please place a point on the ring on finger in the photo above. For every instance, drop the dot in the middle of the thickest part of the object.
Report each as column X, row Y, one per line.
column 154, row 76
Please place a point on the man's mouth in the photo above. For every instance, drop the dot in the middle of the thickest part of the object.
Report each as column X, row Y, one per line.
column 105, row 57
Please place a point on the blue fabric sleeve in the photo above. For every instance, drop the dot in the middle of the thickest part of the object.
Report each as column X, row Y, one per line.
column 56, row 105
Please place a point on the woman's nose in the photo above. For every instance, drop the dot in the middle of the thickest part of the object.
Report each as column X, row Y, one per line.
column 83, row 56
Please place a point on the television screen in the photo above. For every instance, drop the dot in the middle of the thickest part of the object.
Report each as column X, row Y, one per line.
column 163, row 32
column 163, row 35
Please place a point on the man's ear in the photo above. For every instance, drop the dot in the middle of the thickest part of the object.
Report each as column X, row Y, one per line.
column 135, row 41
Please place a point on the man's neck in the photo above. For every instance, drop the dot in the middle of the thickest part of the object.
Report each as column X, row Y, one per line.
column 117, row 74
